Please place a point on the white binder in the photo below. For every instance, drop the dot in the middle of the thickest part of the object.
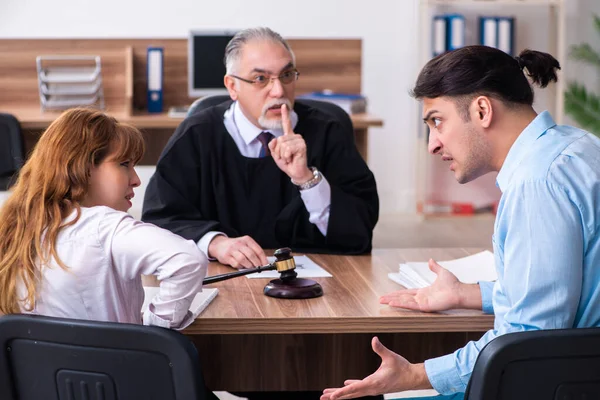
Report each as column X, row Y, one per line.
column 439, row 35
column 506, row 34
column 489, row 31
column 456, row 31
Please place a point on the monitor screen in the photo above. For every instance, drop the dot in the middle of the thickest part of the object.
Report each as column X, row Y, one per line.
column 205, row 62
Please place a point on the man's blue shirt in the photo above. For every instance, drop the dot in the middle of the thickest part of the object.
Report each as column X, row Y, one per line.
column 545, row 243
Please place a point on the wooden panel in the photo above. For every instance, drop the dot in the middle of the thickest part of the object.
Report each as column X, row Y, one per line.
column 18, row 73
column 308, row 362
column 324, row 64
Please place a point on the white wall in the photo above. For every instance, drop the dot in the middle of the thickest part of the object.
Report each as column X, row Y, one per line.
column 390, row 50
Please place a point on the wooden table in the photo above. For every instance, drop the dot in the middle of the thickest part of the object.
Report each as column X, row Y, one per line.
column 250, row 342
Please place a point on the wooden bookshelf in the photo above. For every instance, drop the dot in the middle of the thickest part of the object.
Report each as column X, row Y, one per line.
column 324, row 64
column 436, row 185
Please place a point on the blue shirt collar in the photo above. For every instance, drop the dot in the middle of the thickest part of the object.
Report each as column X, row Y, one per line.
column 521, row 146
column 248, row 131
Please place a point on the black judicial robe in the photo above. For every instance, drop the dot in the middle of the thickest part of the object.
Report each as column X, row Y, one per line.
column 202, row 183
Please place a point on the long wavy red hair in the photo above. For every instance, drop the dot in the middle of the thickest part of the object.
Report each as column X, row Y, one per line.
column 50, row 186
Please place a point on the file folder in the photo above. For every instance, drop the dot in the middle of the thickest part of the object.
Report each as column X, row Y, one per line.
column 506, row 34
column 155, row 79
column 455, row 31
column 498, row 32
column 488, row 31
column 439, row 35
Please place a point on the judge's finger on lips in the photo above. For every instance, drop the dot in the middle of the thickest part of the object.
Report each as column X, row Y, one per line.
column 285, row 121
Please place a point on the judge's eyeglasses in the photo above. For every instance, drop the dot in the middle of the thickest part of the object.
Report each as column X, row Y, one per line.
column 261, row 81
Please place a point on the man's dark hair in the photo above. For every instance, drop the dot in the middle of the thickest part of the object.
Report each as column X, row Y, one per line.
column 480, row 70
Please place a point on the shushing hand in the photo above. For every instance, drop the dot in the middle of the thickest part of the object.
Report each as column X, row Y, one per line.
column 289, row 151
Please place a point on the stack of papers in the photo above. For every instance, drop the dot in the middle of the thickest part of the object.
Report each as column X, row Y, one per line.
column 200, row 302
column 471, row 269
column 305, row 268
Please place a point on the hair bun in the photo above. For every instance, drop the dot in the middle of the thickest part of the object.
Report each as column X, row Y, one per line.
column 520, row 62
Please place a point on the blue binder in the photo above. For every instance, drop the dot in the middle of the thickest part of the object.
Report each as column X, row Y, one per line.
column 506, row 35
column 154, row 63
column 455, row 25
column 448, row 33
column 488, row 31
column 498, row 32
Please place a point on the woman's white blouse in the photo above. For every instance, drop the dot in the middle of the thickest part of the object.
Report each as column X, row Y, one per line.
column 106, row 252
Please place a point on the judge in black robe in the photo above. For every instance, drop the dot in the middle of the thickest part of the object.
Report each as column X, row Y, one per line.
column 202, row 183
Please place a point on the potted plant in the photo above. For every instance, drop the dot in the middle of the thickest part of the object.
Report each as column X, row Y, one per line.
column 580, row 104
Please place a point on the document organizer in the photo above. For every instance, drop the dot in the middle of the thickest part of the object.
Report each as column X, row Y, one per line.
column 69, row 81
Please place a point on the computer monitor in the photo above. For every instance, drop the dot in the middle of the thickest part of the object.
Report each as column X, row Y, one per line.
column 206, row 69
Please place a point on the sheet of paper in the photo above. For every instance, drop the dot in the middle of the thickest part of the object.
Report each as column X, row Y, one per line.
column 200, row 302
column 305, row 268
column 470, row 269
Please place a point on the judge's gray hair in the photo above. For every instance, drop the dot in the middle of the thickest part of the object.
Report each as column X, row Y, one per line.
column 233, row 51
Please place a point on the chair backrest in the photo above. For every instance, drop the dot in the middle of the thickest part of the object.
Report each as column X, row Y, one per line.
column 330, row 109
column 12, row 151
column 207, row 101
column 56, row 358
column 551, row 364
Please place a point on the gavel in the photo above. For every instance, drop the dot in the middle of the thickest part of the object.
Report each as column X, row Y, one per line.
column 288, row 286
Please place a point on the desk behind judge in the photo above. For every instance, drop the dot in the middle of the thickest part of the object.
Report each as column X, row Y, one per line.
column 250, row 342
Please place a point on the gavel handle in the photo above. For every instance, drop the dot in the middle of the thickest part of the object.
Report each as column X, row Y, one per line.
column 223, row 277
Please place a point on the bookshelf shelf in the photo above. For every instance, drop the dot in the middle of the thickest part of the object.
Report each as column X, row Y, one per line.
column 436, row 187
column 495, row 2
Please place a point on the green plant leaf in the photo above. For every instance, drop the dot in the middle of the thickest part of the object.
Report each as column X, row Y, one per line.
column 585, row 53
column 583, row 107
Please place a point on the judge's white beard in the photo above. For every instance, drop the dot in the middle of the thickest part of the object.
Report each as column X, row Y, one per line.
column 270, row 123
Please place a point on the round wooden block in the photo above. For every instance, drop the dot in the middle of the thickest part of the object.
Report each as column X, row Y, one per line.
column 294, row 289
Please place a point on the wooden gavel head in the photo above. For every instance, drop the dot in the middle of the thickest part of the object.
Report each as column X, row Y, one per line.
column 285, row 264
column 289, row 286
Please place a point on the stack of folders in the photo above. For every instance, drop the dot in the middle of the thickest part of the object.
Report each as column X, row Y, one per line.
column 498, row 32
column 471, row 269
column 448, row 33
column 351, row 103
column 69, row 81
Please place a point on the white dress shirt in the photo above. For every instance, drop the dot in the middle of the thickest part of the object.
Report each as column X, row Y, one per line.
column 244, row 133
column 106, row 252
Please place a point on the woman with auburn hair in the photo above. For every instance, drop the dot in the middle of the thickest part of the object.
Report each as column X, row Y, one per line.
column 67, row 246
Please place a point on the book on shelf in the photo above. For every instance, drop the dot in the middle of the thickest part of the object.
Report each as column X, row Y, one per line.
column 351, row 103
column 199, row 303
column 178, row 111
column 456, row 208
column 470, row 269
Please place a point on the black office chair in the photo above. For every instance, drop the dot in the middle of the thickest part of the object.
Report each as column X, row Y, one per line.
column 551, row 364
column 12, row 152
column 58, row 359
column 207, row 101
column 331, row 109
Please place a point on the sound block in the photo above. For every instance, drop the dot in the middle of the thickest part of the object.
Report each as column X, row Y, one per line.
column 294, row 289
